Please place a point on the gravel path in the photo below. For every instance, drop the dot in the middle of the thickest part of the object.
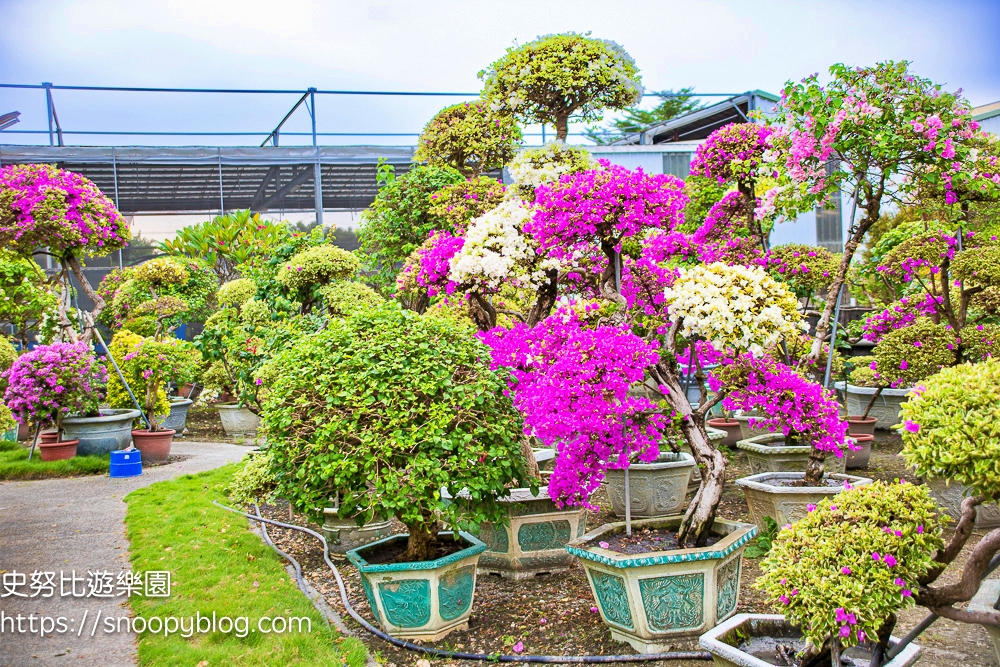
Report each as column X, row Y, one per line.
column 62, row 525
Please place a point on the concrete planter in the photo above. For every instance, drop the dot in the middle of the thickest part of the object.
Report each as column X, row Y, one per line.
column 424, row 600
column 787, row 504
column 886, row 408
column 101, row 435
column 747, row 431
column 656, row 489
column 545, row 457
column 535, row 538
column 766, row 457
column 950, row 495
column 651, row 599
column 986, row 600
column 237, row 420
column 342, row 535
column 723, row 641
column 177, row 419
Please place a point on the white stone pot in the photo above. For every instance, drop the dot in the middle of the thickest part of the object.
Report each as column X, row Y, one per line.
column 765, row 457
column 656, row 489
column 177, row 419
column 238, row 420
column 723, row 641
column 787, row 504
column 950, row 494
column 342, row 535
column 986, row 600
column 886, row 408
column 747, row 431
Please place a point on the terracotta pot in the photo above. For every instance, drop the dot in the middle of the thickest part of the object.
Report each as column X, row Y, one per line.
column 730, row 426
column 57, row 451
column 861, row 426
column 858, row 458
column 155, row 445
column 48, row 437
column 23, row 431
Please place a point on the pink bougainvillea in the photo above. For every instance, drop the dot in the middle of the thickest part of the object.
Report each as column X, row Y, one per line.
column 53, row 381
column 725, row 237
column 900, row 314
column 435, row 256
column 733, row 152
column 570, row 381
column 41, row 205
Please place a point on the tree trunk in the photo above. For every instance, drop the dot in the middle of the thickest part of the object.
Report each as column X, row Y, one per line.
column 562, row 128
column 151, row 388
column 545, row 299
column 482, row 312
column 871, row 403
column 531, row 463
column 421, row 544
column 89, row 318
column 815, row 467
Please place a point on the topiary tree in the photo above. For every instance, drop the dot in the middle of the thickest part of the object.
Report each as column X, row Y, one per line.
column 42, row 206
column 25, row 294
column 121, row 345
column 843, row 587
column 384, row 409
column 399, row 220
column 150, row 363
column 807, row 269
column 468, row 137
column 949, row 431
column 315, row 267
column 545, row 165
column 558, row 77
column 456, row 205
column 344, row 297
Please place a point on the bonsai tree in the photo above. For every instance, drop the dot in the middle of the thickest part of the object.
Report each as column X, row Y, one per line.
column 558, row 77
column 808, row 270
column 54, row 381
column 313, row 268
column 469, row 137
column 43, row 207
column 25, row 294
column 843, row 587
column 386, row 408
column 147, row 366
column 544, row 165
column 456, row 205
column 399, row 219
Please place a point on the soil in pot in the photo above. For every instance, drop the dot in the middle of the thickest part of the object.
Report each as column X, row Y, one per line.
column 827, row 482
column 58, row 451
column 154, row 446
column 393, row 552
column 859, row 426
column 782, row 650
column 644, row 541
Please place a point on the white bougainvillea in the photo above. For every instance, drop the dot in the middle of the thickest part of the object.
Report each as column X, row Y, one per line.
column 496, row 251
column 736, row 308
column 536, row 166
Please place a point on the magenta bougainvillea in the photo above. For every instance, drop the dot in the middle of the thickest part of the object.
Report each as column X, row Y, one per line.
column 53, row 381
column 801, row 409
column 725, row 237
column 570, row 381
column 41, row 205
column 734, row 152
column 435, row 257
column 898, row 315
column 608, row 204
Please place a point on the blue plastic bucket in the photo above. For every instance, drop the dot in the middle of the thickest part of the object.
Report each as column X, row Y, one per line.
column 126, row 463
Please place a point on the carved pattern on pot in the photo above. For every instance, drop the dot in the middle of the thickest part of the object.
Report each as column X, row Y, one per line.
column 238, row 420
column 495, row 538
column 407, row 603
column 674, row 602
column 728, row 591
column 455, row 591
column 544, row 535
column 612, row 598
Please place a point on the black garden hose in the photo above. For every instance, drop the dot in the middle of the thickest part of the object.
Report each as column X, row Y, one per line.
column 453, row 655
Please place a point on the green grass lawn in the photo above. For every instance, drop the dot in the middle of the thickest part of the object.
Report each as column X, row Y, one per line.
column 14, row 464
column 217, row 565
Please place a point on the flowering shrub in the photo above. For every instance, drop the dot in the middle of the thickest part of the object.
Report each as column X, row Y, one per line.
column 345, row 296
column 430, row 264
column 496, row 251
column 134, row 291
column 736, row 307
column 24, row 293
column 806, row 269
column 949, row 426
column 43, row 206
column 724, row 235
column 386, row 408
column 150, row 363
column 897, row 315
column 117, row 397
column 607, row 204
column 470, row 137
column 863, row 373
column 160, row 271
column 54, row 381
column 908, row 355
column 570, row 381
column 843, row 584
column 255, row 312
column 800, row 409
column 236, row 292
column 734, row 152
column 546, row 164
column 253, row 481
column 319, row 265
column 555, row 77
column 980, row 342
column 456, row 205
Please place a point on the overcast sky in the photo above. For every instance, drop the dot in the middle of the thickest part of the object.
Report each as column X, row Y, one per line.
column 723, row 46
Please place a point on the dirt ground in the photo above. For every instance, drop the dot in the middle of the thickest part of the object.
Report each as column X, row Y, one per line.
column 555, row 615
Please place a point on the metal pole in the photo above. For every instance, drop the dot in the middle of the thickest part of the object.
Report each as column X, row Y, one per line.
column 317, row 167
column 628, row 492
column 114, row 169
column 121, row 377
column 833, row 337
column 543, row 133
column 48, row 108
column 312, row 112
column 222, row 200
column 34, row 441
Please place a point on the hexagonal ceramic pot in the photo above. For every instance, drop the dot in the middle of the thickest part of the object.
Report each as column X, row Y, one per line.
column 342, row 535
column 422, row 600
column 886, row 408
column 724, row 640
column 787, row 504
column 650, row 599
column 656, row 489
column 766, row 457
column 534, row 541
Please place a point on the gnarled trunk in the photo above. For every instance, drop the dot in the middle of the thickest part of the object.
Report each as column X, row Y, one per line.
column 483, row 314
column 420, row 546
column 815, row 467
column 562, row 127
column 545, row 298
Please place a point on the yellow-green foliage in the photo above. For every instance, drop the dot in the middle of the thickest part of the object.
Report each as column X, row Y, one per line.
column 859, row 553
column 216, row 378
column 863, row 375
column 236, row 292
column 161, row 271
column 981, row 341
column 253, row 481
column 7, row 421
column 469, row 137
column 910, row 354
column 978, row 266
column 121, row 345
column 456, row 205
column 344, row 297
column 319, row 265
column 951, row 426
column 7, row 356
column 255, row 312
column 807, row 269
column 453, row 309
